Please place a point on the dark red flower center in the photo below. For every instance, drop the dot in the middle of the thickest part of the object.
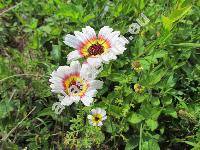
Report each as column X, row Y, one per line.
column 96, row 49
column 75, row 87
column 96, row 118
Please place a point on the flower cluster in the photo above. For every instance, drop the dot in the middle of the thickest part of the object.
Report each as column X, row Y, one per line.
column 96, row 49
column 75, row 84
column 78, row 82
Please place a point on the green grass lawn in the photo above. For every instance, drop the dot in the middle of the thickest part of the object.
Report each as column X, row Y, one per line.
column 154, row 107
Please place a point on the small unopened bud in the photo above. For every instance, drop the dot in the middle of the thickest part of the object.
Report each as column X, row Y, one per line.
column 136, row 65
column 138, row 88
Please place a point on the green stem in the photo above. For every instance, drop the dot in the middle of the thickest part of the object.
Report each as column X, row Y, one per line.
column 140, row 142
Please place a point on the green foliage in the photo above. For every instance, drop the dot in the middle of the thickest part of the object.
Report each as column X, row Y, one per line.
column 165, row 115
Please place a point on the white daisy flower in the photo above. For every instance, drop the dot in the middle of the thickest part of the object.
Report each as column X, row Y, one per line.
column 97, row 117
column 96, row 49
column 75, row 83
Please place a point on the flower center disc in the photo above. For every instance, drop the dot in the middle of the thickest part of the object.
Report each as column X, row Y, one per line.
column 97, row 118
column 96, row 49
column 75, row 87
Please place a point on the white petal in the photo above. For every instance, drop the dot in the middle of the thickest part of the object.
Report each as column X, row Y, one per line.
column 80, row 36
column 57, row 74
column 96, row 62
column 117, row 49
column 89, row 117
column 118, row 40
column 103, row 112
column 98, row 110
column 105, row 32
column 75, row 98
column 108, row 56
column 93, row 111
column 72, row 41
column 91, row 93
column 60, row 72
column 63, row 70
column 91, row 123
column 85, row 71
column 66, row 101
column 113, row 36
column 75, row 66
column 100, row 124
column 123, row 40
column 53, row 73
column 55, row 80
column 95, row 84
column 56, row 85
column 56, row 88
column 105, row 58
column 87, row 100
column 112, row 56
column 104, row 118
column 74, row 55
column 89, row 32
column 61, row 97
column 88, row 72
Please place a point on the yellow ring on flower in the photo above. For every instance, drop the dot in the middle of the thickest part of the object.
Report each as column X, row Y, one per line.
column 85, row 46
column 96, row 118
column 75, row 78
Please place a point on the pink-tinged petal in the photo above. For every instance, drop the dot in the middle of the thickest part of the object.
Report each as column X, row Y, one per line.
column 80, row 36
column 89, row 32
column 74, row 55
column 104, row 32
